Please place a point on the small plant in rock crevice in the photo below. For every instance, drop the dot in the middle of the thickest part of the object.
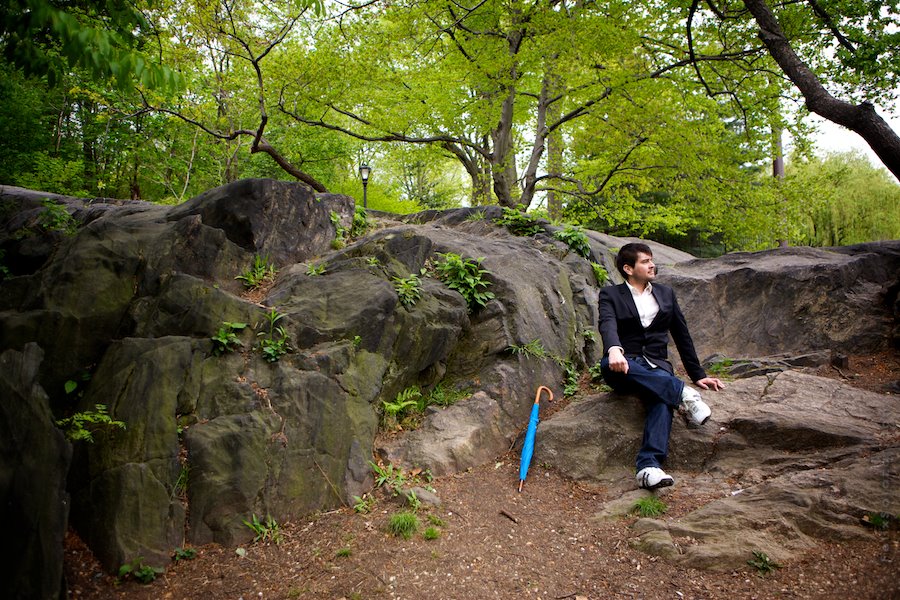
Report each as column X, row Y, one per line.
column 533, row 349
column 409, row 289
column 55, row 217
column 360, row 222
column 340, row 232
column 394, row 411
column 600, row 273
column 225, row 339
column 274, row 342
column 314, row 270
column 82, row 426
column 466, row 277
column 260, row 272
column 575, row 238
column 519, row 223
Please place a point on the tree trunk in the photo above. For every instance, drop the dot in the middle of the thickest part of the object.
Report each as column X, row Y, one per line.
column 859, row 118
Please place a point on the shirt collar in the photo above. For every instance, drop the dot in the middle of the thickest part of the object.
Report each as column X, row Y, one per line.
column 634, row 292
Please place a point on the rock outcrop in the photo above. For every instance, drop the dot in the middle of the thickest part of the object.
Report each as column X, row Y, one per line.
column 123, row 298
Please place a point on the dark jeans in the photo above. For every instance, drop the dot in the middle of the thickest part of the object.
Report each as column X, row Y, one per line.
column 660, row 392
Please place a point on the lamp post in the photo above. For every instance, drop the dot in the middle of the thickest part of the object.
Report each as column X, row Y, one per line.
column 364, row 171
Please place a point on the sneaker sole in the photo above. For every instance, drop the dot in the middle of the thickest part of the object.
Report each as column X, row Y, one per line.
column 664, row 483
column 661, row 484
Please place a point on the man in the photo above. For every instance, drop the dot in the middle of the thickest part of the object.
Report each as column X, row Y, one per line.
column 636, row 318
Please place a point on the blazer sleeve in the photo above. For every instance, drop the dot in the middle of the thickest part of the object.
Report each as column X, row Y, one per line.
column 609, row 329
column 684, row 343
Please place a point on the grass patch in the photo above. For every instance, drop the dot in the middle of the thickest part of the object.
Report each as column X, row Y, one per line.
column 649, row 506
column 403, row 524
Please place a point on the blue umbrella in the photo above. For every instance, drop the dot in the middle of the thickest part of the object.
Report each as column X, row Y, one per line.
column 528, row 446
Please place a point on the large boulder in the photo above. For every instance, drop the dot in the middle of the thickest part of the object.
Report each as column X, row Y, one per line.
column 124, row 297
column 796, row 459
column 34, row 461
column 792, row 300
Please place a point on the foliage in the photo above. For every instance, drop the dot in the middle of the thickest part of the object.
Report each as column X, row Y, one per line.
column 519, row 223
column 82, row 425
column 340, row 232
column 413, row 501
column 405, row 402
column 600, row 273
column 55, row 217
column 572, row 376
column 879, row 520
column 138, row 571
column 431, row 533
column 649, row 506
column 720, row 367
column 275, row 340
column 403, row 524
column 226, row 338
column 184, row 554
column 4, row 270
column 576, row 239
column 260, row 272
column 314, row 270
column 389, row 476
column 534, row 349
column 466, row 277
column 266, row 531
column 595, row 371
column 442, row 396
column 360, row 222
column 841, row 200
column 409, row 289
column 364, row 504
column 344, row 552
column 762, row 563
column 104, row 38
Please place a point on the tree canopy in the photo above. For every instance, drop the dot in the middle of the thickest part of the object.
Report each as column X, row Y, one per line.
column 657, row 119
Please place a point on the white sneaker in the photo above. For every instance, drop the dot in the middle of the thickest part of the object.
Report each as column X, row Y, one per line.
column 694, row 407
column 651, row 478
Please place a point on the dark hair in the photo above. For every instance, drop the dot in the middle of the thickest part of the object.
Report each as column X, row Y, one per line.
column 628, row 255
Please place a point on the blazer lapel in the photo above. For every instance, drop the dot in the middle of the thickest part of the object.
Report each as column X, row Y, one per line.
column 628, row 301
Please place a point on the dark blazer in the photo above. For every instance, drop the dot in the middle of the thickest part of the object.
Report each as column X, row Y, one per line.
column 620, row 325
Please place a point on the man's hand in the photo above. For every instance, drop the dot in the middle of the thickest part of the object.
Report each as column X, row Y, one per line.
column 707, row 383
column 617, row 361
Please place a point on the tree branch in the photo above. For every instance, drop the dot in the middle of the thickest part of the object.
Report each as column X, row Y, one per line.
column 860, row 118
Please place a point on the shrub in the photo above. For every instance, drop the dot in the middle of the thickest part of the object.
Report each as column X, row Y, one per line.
column 466, row 277
column 576, row 239
column 519, row 223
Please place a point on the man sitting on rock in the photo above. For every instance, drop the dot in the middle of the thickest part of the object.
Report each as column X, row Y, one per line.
column 636, row 318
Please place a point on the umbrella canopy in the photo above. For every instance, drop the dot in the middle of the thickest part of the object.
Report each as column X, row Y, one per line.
column 528, row 446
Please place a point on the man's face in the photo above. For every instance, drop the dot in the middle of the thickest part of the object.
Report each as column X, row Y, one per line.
column 643, row 270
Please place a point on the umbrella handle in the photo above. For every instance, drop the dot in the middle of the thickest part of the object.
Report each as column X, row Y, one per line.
column 537, row 397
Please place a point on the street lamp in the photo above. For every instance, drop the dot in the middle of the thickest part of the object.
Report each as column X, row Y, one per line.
column 364, row 171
